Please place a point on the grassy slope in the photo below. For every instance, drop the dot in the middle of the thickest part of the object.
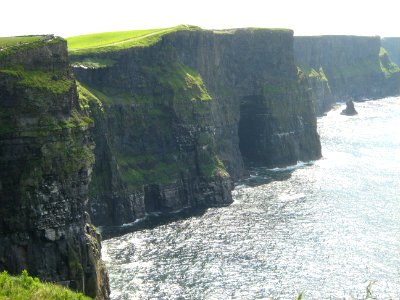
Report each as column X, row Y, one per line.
column 25, row 287
column 114, row 41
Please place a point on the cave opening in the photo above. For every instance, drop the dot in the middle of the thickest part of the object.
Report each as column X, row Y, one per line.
column 251, row 128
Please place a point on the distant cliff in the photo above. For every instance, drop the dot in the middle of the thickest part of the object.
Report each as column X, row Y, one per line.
column 346, row 67
column 176, row 118
column 46, row 158
column 392, row 46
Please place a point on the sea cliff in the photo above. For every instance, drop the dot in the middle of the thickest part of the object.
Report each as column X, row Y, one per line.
column 392, row 46
column 177, row 118
column 46, row 159
column 346, row 68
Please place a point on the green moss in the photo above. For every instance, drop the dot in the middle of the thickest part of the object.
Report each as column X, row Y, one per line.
column 86, row 97
column 46, row 125
column 213, row 166
column 65, row 158
column 137, row 170
column 26, row 287
column 320, row 74
column 183, row 80
column 56, row 83
column 115, row 41
column 112, row 98
column 387, row 66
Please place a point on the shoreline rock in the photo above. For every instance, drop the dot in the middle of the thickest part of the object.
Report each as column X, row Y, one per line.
column 350, row 109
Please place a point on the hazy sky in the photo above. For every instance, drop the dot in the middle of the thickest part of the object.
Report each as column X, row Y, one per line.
column 305, row 17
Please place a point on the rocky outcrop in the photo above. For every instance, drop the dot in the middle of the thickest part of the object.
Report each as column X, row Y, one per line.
column 349, row 110
column 46, row 158
column 175, row 121
column 392, row 46
column 351, row 65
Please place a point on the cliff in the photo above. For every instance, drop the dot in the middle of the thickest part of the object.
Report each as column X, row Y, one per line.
column 392, row 46
column 46, row 158
column 177, row 112
column 351, row 65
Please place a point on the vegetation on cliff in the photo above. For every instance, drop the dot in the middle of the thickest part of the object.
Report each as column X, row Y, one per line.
column 44, row 79
column 114, row 41
column 19, row 40
column 387, row 66
column 44, row 142
column 25, row 287
column 354, row 67
column 53, row 82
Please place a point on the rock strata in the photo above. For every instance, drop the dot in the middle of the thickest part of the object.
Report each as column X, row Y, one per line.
column 346, row 67
column 46, row 159
column 176, row 121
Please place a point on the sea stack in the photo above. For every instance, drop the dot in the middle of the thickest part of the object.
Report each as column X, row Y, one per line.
column 349, row 110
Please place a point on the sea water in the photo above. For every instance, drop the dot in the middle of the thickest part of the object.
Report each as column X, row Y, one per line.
column 329, row 229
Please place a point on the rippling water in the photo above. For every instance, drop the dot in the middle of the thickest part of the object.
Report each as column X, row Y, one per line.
column 327, row 228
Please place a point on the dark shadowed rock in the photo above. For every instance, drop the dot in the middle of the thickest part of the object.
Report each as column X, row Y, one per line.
column 46, row 158
column 349, row 110
column 179, row 119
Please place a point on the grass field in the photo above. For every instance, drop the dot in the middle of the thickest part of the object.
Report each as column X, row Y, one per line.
column 17, row 40
column 113, row 41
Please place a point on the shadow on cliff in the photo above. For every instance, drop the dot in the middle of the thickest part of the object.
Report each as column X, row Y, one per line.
column 151, row 221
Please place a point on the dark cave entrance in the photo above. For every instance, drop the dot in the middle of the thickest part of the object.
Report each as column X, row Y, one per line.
column 251, row 128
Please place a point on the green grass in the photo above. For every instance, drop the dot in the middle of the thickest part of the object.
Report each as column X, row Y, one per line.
column 183, row 80
column 86, row 96
column 48, row 81
column 18, row 40
column 114, row 41
column 25, row 287
column 137, row 170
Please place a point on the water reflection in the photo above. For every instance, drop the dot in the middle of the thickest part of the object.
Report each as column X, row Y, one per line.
column 327, row 228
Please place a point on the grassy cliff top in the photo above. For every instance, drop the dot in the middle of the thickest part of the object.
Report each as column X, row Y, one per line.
column 114, row 41
column 12, row 41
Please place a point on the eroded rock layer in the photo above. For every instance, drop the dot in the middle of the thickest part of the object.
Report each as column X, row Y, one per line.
column 175, row 121
column 46, row 159
column 346, row 68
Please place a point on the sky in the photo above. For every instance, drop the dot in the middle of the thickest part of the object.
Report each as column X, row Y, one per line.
column 305, row 17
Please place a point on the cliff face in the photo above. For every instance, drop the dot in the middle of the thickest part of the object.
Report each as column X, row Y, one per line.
column 392, row 46
column 175, row 121
column 350, row 64
column 46, row 159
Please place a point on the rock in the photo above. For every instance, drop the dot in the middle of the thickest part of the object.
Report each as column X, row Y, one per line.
column 50, row 234
column 354, row 67
column 46, row 156
column 200, row 105
column 349, row 110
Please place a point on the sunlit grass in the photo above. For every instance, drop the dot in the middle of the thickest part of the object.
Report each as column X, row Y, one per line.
column 25, row 287
column 111, row 41
column 17, row 40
